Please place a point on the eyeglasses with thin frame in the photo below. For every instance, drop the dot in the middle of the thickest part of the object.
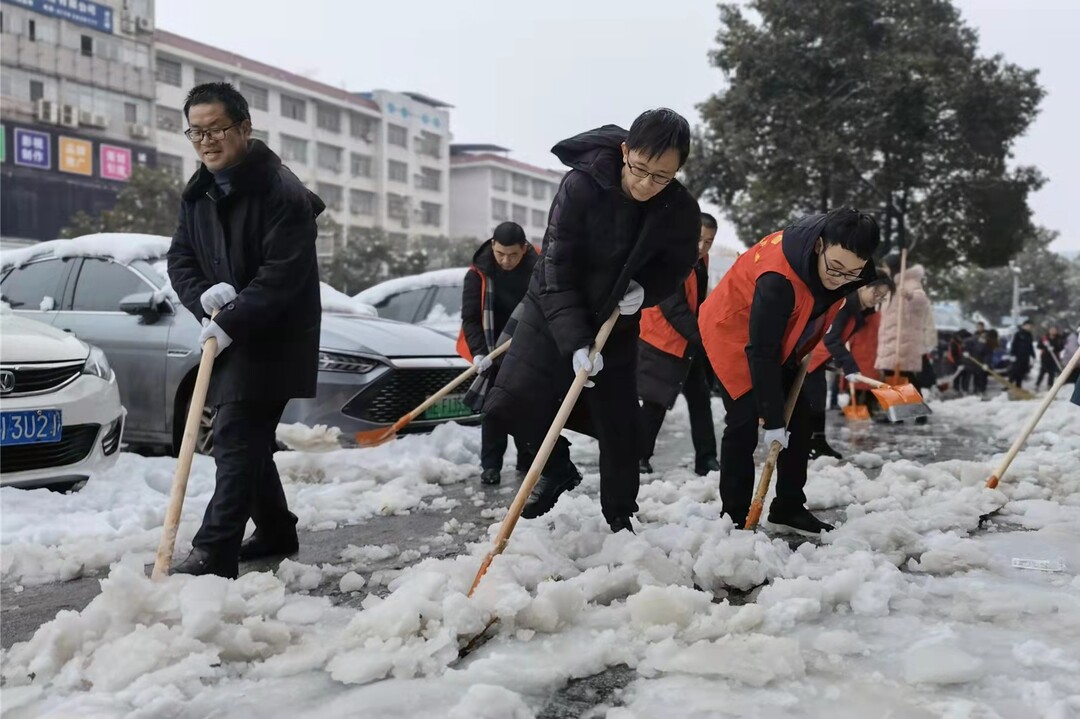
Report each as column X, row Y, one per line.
column 217, row 133
column 833, row 272
column 643, row 173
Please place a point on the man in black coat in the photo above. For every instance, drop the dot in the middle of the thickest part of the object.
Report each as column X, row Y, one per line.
column 671, row 360
column 245, row 248
column 1023, row 351
column 493, row 287
column 622, row 234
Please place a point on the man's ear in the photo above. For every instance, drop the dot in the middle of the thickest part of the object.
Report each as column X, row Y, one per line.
column 625, row 151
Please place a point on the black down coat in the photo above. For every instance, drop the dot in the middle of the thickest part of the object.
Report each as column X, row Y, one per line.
column 260, row 238
column 597, row 240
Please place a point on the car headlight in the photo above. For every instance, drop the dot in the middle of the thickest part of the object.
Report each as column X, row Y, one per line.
column 98, row 365
column 338, row 362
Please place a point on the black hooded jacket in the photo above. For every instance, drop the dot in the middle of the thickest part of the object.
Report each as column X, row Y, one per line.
column 774, row 301
column 509, row 288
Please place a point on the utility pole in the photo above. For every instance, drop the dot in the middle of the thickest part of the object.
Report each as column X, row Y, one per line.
column 1017, row 292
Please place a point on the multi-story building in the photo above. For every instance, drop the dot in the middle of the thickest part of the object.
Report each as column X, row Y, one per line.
column 76, row 108
column 487, row 187
column 378, row 159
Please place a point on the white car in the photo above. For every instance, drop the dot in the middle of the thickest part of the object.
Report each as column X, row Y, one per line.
column 61, row 420
column 431, row 299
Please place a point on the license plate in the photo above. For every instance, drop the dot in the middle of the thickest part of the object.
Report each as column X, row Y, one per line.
column 32, row 426
column 448, row 407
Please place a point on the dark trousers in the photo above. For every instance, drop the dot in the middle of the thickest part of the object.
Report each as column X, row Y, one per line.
column 834, row 390
column 1019, row 371
column 247, row 483
column 963, row 381
column 493, row 443
column 979, row 378
column 698, row 403
column 1048, row 370
column 737, row 471
column 814, row 387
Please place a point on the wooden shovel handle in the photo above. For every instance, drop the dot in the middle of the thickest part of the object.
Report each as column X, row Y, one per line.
column 454, row 384
column 872, row 382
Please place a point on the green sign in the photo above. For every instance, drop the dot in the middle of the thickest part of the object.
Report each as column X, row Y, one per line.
column 448, row 408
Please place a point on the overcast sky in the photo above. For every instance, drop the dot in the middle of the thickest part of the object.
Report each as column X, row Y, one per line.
column 525, row 75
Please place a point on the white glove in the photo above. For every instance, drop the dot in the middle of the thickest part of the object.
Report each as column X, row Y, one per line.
column 631, row 301
column 217, row 297
column 581, row 362
column 779, row 434
column 214, row 330
column 482, row 363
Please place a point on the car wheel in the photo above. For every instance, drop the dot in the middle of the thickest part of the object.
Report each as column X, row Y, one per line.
column 204, row 443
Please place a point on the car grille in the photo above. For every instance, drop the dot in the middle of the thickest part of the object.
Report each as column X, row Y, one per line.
column 36, row 379
column 399, row 393
column 78, row 440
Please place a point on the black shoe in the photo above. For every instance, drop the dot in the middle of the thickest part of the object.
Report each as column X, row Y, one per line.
column 820, row 447
column 644, row 467
column 547, row 491
column 490, row 476
column 618, row 524
column 801, row 521
column 258, row 546
column 705, row 466
column 200, row 562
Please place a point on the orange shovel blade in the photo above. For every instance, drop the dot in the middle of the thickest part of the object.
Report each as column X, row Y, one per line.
column 375, row 437
column 897, row 395
column 857, row 411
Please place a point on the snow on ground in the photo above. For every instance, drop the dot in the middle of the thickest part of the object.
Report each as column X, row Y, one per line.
column 906, row 605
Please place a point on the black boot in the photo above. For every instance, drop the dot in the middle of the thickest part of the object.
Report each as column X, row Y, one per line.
column 546, row 492
column 618, row 524
column 800, row 521
column 704, row 466
column 644, row 467
column 261, row 546
column 201, row 562
column 490, row 477
column 820, row 447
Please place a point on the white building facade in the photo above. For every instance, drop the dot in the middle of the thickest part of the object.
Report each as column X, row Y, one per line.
column 377, row 159
column 487, row 187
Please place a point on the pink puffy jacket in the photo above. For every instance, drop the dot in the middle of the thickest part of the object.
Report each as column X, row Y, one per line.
column 919, row 331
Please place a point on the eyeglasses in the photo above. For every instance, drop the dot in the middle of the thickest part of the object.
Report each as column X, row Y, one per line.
column 643, row 173
column 833, row 272
column 215, row 134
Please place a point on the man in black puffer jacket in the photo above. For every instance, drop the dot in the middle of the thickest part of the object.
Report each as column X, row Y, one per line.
column 622, row 234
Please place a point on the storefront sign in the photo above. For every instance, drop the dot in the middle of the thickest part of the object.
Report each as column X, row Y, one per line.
column 32, row 149
column 76, row 156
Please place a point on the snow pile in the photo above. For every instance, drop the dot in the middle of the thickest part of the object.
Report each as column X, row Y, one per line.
column 301, row 438
column 450, row 277
column 340, row 303
column 123, row 247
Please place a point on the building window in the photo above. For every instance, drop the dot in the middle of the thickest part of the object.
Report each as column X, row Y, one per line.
column 293, row 149
column 168, row 72
column 498, row 179
column 31, row 30
column 171, row 163
column 131, row 112
column 169, row 120
column 328, row 118
column 430, row 144
column 332, row 195
column 499, row 210
column 521, row 215
column 521, row 184
column 257, row 97
column 429, row 179
column 539, row 190
column 395, row 206
column 430, row 213
column 87, row 44
column 397, row 171
column 203, row 76
column 539, row 218
column 360, row 126
column 294, row 108
column 397, row 135
column 37, row 90
column 261, row 135
column 328, row 157
column 362, row 202
column 360, row 165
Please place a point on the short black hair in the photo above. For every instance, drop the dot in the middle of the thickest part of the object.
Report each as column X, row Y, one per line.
column 855, row 231
column 654, row 132
column 236, row 107
column 708, row 220
column 883, row 279
column 509, row 234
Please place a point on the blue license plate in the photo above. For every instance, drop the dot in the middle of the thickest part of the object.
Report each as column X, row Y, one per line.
column 32, row 426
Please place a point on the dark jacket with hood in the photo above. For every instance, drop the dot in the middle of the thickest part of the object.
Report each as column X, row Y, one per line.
column 836, row 338
column 597, row 240
column 508, row 289
column 661, row 375
column 259, row 238
column 1023, row 347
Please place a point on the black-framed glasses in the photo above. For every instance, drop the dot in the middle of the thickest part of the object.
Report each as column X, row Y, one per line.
column 217, row 133
column 833, row 272
column 643, row 173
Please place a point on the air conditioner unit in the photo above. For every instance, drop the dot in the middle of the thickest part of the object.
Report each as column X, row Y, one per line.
column 139, row 132
column 69, row 116
column 86, row 117
column 100, row 121
column 46, row 111
column 144, row 24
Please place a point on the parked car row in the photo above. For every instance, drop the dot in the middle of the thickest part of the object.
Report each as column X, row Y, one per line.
column 111, row 292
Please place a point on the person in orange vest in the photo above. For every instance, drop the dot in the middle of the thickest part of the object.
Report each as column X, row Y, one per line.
column 493, row 287
column 671, row 360
column 768, row 312
column 855, row 322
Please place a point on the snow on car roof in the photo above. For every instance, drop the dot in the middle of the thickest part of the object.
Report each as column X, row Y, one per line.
column 436, row 278
column 124, row 247
column 340, row 303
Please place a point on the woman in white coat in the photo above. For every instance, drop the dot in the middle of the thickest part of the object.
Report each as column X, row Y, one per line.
column 918, row 334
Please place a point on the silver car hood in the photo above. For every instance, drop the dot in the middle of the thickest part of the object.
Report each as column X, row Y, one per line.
column 371, row 335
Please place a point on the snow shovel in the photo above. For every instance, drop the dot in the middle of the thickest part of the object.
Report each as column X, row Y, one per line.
column 183, row 461
column 1062, row 378
column 544, row 452
column 754, row 515
column 855, row 410
column 1014, row 391
column 900, row 401
column 375, row 437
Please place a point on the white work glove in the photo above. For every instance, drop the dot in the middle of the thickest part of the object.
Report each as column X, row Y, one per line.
column 632, row 300
column 217, row 297
column 581, row 362
column 779, row 434
column 212, row 329
column 482, row 363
